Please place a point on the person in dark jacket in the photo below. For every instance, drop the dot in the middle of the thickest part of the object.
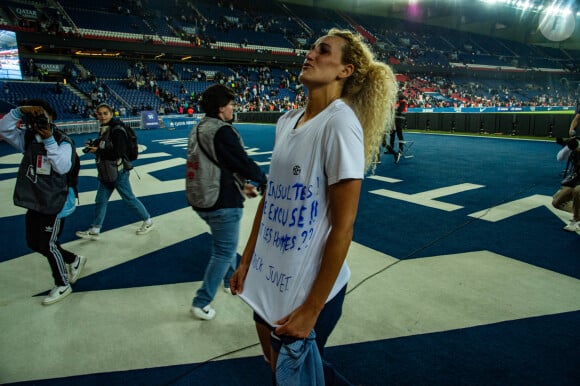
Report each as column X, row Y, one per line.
column 113, row 173
column 567, row 198
column 217, row 174
column 400, row 122
column 46, row 187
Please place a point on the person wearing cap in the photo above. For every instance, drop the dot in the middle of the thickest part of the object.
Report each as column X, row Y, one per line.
column 110, row 151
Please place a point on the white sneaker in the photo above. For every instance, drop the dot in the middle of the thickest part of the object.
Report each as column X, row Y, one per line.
column 573, row 226
column 398, row 157
column 228, row 290
column 57, row 294
column 145, row 228
column 205, row 313
column 89, row 234
column 75, row 268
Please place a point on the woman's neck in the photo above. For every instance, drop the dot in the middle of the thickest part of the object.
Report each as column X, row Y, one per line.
column 318, row 100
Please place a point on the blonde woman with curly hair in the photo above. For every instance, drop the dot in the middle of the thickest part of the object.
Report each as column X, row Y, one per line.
column 293, row 271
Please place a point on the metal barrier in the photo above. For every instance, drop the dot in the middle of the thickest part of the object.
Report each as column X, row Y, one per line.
column 537, row 125
column 92, row 126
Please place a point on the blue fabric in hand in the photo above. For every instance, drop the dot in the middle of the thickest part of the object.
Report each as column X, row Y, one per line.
column 299, row 363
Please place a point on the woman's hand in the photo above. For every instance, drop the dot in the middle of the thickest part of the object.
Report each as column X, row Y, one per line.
column 238, row 279
column 299, row 323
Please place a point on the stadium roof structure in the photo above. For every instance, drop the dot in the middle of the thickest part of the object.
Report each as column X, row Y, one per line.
column 550, row 23
column 501, row 19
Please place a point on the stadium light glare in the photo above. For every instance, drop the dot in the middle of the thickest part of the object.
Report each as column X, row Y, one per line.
column 557, row 7
column 557, row 22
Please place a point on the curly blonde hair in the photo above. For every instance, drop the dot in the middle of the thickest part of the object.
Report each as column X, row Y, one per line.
column 371, row 91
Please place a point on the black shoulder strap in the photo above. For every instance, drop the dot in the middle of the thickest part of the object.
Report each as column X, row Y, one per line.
column 73, row 174
column 121, row 126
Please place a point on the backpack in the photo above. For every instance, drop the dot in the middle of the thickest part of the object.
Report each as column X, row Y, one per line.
column 133, row 148
column 72, row 176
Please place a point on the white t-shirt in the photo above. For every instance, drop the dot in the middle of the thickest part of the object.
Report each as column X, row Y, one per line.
column 295, row 221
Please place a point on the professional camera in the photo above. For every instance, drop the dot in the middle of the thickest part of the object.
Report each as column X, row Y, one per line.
column 35, row 122
column 572, row 142
column 90, row 143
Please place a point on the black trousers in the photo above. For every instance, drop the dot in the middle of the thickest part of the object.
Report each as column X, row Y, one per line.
column 42, row 233
column 399, row 125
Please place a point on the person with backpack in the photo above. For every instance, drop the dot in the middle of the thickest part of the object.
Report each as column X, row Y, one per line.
column 114, row 150
column 46, row 187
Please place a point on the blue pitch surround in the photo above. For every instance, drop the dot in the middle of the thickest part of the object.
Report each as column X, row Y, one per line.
column 462, row 275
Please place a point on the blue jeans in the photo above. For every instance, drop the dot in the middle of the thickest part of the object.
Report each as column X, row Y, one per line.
column 123, row 186
column 224, row 225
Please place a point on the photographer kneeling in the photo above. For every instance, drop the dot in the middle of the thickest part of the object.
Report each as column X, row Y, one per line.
column 568, row 197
